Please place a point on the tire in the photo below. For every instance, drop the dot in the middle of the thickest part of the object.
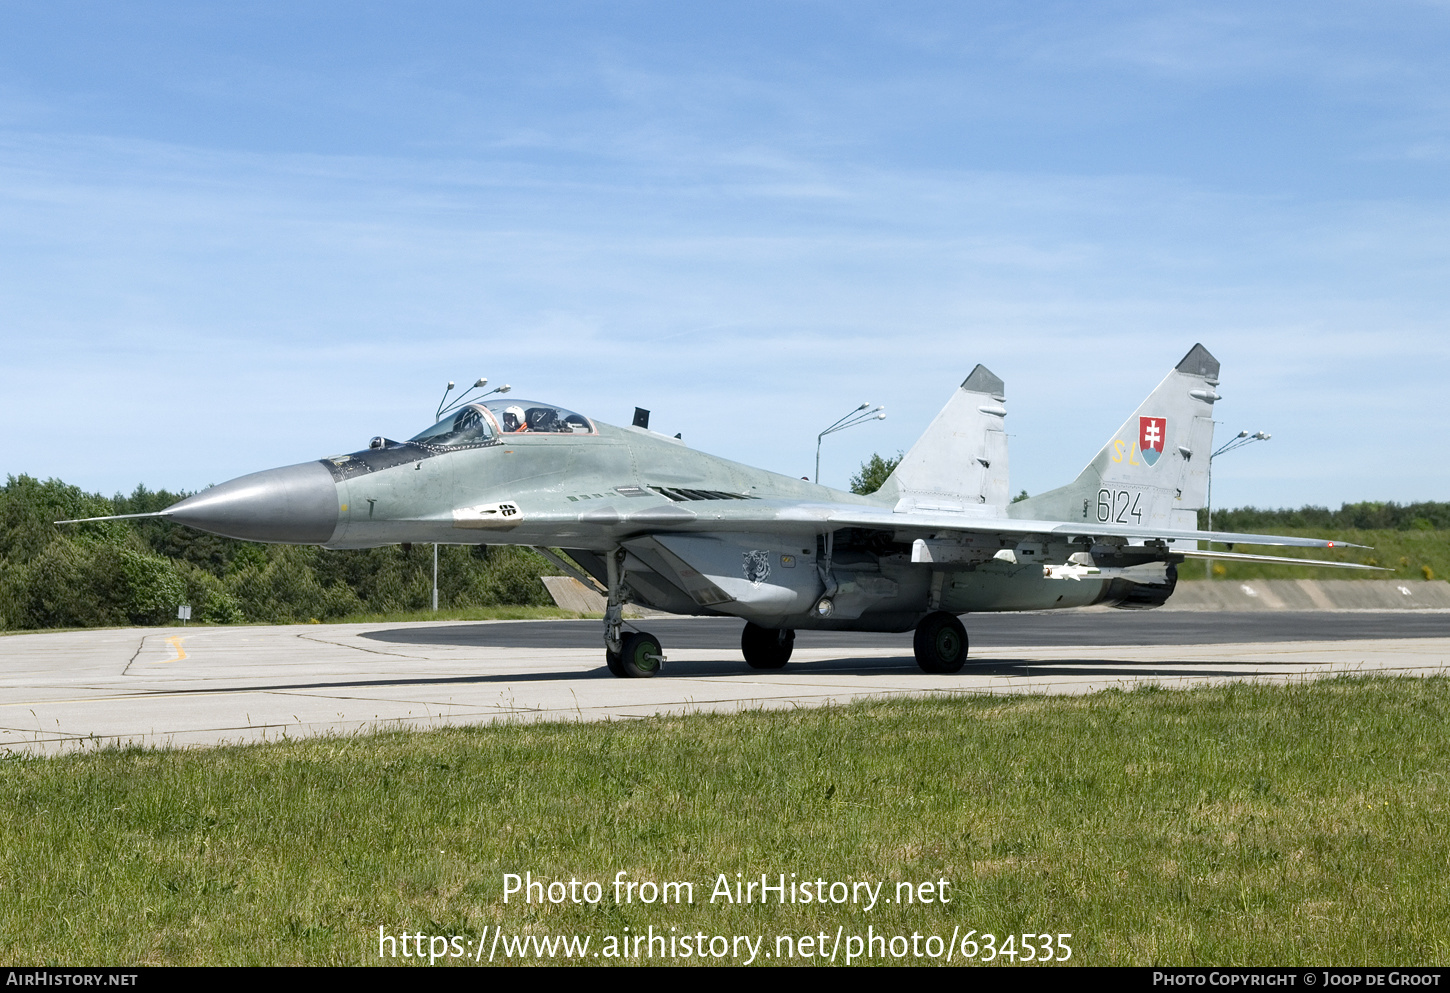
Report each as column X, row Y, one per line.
column 766, row 649
column 940, row 643
column 641, row 655
column 615, row 662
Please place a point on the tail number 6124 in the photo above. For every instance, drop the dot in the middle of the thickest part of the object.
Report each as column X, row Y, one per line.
column 1116, row 506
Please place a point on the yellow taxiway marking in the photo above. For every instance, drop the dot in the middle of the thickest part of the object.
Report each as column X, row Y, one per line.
column 180, row 652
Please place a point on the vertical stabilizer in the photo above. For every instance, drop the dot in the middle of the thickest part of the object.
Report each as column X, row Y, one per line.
column 1154, row 470
column 960, row 463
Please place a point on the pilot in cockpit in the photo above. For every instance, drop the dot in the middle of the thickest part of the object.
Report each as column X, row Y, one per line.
column 514, row 421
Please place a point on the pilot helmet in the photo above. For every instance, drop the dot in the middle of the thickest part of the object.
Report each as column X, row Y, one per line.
column 513, row 418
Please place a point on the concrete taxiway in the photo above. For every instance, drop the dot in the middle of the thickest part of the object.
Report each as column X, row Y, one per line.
column 208, row 686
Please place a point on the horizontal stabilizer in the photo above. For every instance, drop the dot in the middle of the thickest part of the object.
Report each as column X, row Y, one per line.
column 1280, row 560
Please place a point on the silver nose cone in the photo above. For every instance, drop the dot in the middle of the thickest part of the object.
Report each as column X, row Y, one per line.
column 295, row 505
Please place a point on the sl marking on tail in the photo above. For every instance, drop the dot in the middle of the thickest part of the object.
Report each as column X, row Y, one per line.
column 1120, row 446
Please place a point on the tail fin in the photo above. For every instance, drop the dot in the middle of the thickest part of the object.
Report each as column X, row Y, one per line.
column 1154, row 471
column 960, row 463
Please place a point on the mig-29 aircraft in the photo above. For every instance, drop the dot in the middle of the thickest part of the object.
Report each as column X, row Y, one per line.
column 654, row 523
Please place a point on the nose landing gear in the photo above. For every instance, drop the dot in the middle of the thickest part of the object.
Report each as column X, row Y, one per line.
column 636, row 655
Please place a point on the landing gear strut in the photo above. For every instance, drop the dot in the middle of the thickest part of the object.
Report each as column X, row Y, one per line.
column 764, row 648
column 637, row 654
column 940, row 643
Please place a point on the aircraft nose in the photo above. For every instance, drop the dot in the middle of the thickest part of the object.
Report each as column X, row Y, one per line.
column 296, row 504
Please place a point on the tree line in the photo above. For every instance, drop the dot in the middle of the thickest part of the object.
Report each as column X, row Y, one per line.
column 114, row 573
column 1365, row 516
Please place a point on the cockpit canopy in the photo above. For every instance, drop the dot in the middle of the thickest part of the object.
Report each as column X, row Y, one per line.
column 482, row 423
column 530, row 417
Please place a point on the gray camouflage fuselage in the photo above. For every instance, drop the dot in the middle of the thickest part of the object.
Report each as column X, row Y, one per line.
column 690, row 533
column 754, row 539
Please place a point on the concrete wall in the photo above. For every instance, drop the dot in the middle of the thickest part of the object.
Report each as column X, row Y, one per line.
column 570, row 594
column 1310, row 594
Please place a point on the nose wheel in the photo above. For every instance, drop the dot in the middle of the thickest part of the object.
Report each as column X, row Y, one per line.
column 941, row 643
column 639, row 658
column 615, row 662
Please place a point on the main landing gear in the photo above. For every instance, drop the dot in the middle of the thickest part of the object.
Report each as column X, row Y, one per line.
column 940, row 643
column 764, row 648
column 635, row 655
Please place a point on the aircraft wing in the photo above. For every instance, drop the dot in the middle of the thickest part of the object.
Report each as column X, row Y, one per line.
column 763, row 516
column 689, row 555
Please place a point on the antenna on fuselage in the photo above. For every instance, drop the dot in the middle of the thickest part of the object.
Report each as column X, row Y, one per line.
column 438, row 415
column 482, row 382
column 443, row 410
column 641, row 418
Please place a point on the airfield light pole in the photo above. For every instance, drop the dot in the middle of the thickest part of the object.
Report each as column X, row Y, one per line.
column 852, row 419
column 1233, row 444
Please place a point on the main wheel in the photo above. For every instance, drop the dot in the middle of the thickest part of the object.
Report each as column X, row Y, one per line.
column 764, row 648
column 641, row 655
column 940, row 643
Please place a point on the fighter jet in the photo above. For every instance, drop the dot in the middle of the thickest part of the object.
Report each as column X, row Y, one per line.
column 650, row 521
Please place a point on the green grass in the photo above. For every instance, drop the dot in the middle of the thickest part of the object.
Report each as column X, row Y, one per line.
column 1245, row 824
column 1407, row 553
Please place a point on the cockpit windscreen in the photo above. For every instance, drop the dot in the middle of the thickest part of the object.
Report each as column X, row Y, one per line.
column 470, row 426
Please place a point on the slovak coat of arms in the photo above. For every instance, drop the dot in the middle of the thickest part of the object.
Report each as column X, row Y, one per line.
column 1151, row 434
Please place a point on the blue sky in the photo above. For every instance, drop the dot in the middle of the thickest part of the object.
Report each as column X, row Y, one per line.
column 244, row 235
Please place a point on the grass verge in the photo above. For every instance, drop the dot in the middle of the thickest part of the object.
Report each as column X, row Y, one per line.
column 1242, row 824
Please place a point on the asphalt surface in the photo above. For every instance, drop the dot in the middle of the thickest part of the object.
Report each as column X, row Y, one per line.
column 984, row 631
column 208, row 686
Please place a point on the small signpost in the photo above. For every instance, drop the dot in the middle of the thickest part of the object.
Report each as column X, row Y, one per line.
column 183, row 613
